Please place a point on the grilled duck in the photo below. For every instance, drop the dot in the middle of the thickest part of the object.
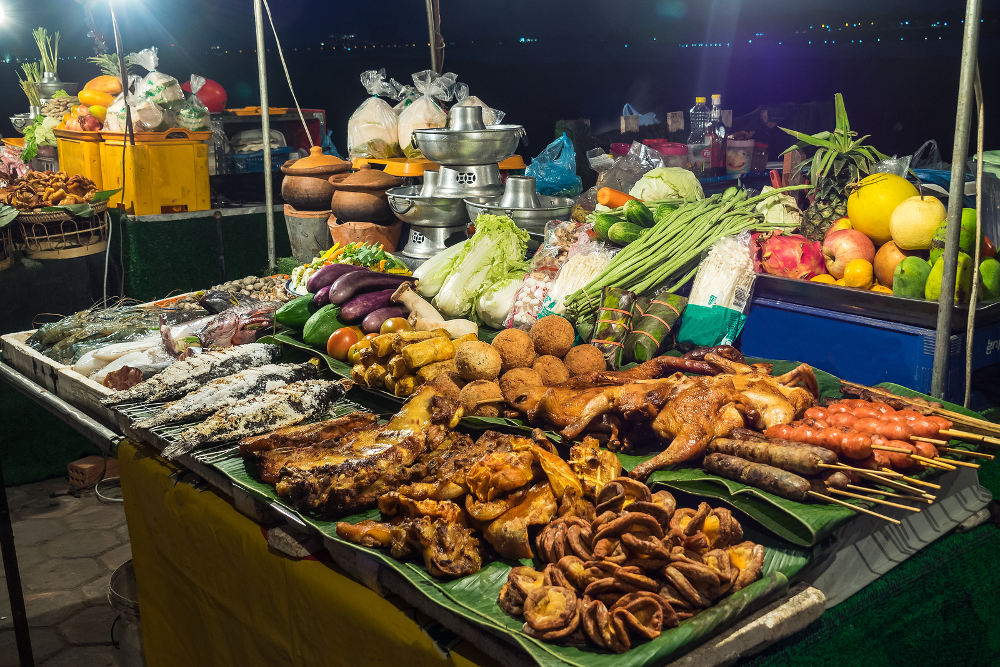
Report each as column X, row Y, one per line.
column 185, row 376
column 285, row 406
column 222, row 391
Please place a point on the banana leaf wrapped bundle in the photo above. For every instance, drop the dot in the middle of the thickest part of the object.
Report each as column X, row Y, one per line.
column 614, row 320
column 653, row 319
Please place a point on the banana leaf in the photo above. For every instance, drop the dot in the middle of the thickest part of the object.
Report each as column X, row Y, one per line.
column 474, row 597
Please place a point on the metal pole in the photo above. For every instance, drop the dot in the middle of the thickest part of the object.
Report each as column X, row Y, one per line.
column 265, row 128
column 14, row 592
column 124, row 77
column 432, row 40
column 956, row 191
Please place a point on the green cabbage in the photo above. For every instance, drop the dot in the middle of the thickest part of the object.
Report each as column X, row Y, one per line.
column 494, row 251
column 780, row 209
column 667, row 183
column 432, row 273
column 496, row 301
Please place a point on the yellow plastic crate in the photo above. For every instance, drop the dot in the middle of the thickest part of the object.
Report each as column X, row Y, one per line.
column 167, row 176
column 81, row 156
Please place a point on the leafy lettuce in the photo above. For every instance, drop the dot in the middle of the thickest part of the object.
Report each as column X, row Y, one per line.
column 667, row 183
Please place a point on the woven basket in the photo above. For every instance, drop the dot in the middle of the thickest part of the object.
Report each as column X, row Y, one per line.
column 64, row 238
column 57, row 216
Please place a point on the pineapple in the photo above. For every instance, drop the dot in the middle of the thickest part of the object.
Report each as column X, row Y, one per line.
column 839, row 161
column 108, row 63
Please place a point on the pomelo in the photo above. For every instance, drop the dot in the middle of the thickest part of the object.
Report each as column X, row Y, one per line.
column 872, row 201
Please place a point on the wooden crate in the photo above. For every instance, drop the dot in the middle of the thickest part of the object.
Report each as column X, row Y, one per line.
column 30, row 362
column 82, row 392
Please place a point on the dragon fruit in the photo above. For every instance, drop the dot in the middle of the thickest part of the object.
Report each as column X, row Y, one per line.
column 790, row 255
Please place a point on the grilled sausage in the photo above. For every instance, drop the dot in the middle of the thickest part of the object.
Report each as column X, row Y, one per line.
column 767, row 478
column 836, row 479
column 802, row 459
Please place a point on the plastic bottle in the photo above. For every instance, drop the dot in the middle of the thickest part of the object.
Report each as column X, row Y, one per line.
column 698, row 119
column 715, row 136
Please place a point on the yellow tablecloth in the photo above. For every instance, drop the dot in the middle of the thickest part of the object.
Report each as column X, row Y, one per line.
column 211, row 591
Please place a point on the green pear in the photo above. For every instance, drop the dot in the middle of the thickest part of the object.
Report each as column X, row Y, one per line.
column 989, row 279
column 910, row 276
column 963, row 279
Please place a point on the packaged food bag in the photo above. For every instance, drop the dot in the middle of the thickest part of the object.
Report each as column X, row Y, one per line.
column 151, row 117
column 552, row 254
column 720, row 295
column 425, row 112
column 405, row 94
column 115, row 119
column 193, row 114
column 160, row 88
column 491, row 116
column 554, row 170
column 371, row 129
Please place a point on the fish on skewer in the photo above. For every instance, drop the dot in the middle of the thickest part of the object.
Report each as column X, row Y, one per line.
column 185, row 376
column 285, row 406
column 220, row 392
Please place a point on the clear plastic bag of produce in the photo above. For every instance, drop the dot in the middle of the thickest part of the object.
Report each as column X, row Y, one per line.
column 554, row 170
column 491, row 116
column 158, row 87
column 193, row 114
column 425, row 112
column 405, row 94
column 116, row 117
column 151, row 117
column 560, row 237
column 584, row 262
column 629, row 168
column 371, row 129
column 720, row 295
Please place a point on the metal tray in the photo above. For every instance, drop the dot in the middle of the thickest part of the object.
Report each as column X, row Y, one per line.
column 915, row 312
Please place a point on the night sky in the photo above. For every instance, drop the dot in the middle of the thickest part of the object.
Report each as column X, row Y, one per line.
column 591, row 56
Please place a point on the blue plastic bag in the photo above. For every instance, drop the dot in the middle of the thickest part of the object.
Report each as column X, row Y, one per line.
column 648, row 118
column 554, row 170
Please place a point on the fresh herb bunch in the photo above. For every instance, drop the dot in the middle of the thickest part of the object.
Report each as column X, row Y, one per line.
column 48, row 47
column 840, row 158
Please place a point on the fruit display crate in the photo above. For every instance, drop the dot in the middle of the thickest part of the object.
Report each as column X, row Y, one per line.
column 874, row 305
column 864, row 349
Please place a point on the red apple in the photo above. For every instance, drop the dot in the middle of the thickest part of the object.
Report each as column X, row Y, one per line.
column 842, row 246
column 838, row 224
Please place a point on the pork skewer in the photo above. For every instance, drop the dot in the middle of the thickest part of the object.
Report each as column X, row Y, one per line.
column 797, row 458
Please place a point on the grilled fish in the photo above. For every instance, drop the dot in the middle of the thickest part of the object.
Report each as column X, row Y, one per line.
column 221, row 392
column 285, row 406
column 185, row 376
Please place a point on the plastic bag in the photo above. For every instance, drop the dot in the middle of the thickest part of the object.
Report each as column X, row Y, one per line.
column 114, row 120
column 554, row 170
column 720, row 295
column 629, row 168
column 193, row 114
column 644, row 118
column 425, row 112
column 491, row 116
column 405, row 94
column 151, row 117
column 158, row 87
column 560, row 237
column 371, row 129
column 584, row 262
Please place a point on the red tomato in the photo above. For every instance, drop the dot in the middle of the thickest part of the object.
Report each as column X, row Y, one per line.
column 340, row 342
column 865, row 411
column 868, row 425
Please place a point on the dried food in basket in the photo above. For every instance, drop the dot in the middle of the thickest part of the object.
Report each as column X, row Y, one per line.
column 39, row 189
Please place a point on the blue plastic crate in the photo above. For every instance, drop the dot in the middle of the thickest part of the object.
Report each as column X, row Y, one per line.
column 253, row 163
column 862, row 349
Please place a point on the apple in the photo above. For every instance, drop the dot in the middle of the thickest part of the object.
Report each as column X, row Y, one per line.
column 838, row 224
column 82, row 110
column 886, row 259
column 842, row 246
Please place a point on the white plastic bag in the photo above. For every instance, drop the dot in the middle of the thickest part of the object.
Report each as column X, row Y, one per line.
column 115, row 119
column 371, row 129
column 193, row 115
column 151, row 117
column 158, row 87
column 425, row 112
column 491, row 116
column 405, row 94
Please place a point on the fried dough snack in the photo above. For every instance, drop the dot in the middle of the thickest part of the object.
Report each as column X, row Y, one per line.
column 38, row 189
column 639, row 567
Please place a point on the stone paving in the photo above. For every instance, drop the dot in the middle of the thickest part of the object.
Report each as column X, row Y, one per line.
column 67, row 549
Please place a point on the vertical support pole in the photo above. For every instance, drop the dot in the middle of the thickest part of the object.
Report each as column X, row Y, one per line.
column 265, row 127
column 960, row 153
column 432, row 39
column 14, row 591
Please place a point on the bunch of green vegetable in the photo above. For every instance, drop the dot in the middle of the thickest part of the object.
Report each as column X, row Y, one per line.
column 48, row 48
column 29, row 84
column 668, row 252
column 39, row 133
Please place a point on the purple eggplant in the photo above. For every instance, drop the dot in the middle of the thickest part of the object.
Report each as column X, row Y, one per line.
column 359, row 306
column 327, row 274
column 322, row 296
column 373, row 321
column 350, row 284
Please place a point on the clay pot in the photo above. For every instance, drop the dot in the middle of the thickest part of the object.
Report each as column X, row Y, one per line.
column 361, row 196
column 306, row 184
column 365, row 232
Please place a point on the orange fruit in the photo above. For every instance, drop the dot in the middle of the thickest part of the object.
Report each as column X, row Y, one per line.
column 881, row 289
column 859, row 273
column 839, row 281
column 824, row 278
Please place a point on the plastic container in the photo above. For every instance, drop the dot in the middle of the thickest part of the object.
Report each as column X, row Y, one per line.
column 674, row 154
column 123, row 595
column 253, row 163
column 739, row 156
column 168, row 176
column 81, row 155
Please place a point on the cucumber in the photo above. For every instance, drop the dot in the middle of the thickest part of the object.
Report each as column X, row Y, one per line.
column 602, row 223
column 296, row 312
column 624, row 233
column 323, row 322
column 637, row 213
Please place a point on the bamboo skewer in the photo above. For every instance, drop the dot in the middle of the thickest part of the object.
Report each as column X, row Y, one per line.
column 885, row 448
column 966, row 452
column 933, row 441
column 965, row 435
column 933, row 463
column 841, row 466
column 835, row 501
column 879, row 501
column 889, row 494
column 953, row 462
column 913, row 480
column 896, row 484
